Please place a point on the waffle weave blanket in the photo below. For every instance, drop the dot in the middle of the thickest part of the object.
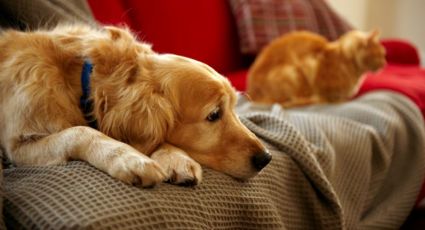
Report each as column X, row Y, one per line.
column 355, row 165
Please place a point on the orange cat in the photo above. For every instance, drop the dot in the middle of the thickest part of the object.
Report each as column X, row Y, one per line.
column 302, row 68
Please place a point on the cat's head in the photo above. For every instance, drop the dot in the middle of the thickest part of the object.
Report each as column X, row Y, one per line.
column 364, row 48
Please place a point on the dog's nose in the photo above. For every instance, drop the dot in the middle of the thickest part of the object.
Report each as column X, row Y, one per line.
column 260, row 160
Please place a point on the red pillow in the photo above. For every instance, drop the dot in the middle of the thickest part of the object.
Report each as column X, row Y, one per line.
column 202, row 30
column 261, row 21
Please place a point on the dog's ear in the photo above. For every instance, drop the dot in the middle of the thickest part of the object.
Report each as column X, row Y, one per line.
column 116, row 33
column 124, row 34
column 116, row 57
column 152, row 123
column 142, row 119
column 118, row 50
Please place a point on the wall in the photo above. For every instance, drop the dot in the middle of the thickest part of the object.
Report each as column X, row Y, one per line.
column 395, row 18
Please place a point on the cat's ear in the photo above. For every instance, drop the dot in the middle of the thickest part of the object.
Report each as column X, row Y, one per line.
column 374, row 35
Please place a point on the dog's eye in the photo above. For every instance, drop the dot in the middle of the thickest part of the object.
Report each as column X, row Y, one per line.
column 214, row 115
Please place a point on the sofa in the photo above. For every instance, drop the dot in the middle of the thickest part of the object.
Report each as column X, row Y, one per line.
column 356, row 165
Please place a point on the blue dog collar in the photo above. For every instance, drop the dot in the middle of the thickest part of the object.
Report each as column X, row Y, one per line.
column 86, row 104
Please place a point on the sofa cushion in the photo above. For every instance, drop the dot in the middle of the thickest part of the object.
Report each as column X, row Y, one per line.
column 203, row 30
column 259, row 21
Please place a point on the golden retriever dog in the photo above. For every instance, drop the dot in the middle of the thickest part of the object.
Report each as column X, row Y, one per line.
column 158, row 116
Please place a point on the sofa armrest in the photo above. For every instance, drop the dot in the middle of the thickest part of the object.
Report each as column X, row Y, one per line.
column 401, row 52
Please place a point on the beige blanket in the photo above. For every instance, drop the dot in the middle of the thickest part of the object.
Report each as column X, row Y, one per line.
column 357, row 165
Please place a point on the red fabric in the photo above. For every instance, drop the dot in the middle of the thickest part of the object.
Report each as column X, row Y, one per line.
column 401, row 52
column 203, row 30
column 110, row 12
column 408, row 80
column 238, row 79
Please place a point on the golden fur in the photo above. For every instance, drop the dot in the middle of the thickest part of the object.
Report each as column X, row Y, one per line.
column 144, row 102
column 302, row 68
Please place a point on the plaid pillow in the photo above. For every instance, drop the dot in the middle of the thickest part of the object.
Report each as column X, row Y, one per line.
column 260, row 21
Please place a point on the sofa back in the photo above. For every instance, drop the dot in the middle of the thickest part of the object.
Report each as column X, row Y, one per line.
column 203, row 30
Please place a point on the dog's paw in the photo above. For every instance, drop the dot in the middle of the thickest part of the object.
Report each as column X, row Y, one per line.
column 178, row 166
column 135, row 168
column 183, row 171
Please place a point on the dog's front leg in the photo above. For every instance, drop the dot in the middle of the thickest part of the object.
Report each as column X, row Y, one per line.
column 178, row 166
column 118, row 159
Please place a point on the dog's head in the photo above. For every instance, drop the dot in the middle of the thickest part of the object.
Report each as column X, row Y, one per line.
column 147, row 99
